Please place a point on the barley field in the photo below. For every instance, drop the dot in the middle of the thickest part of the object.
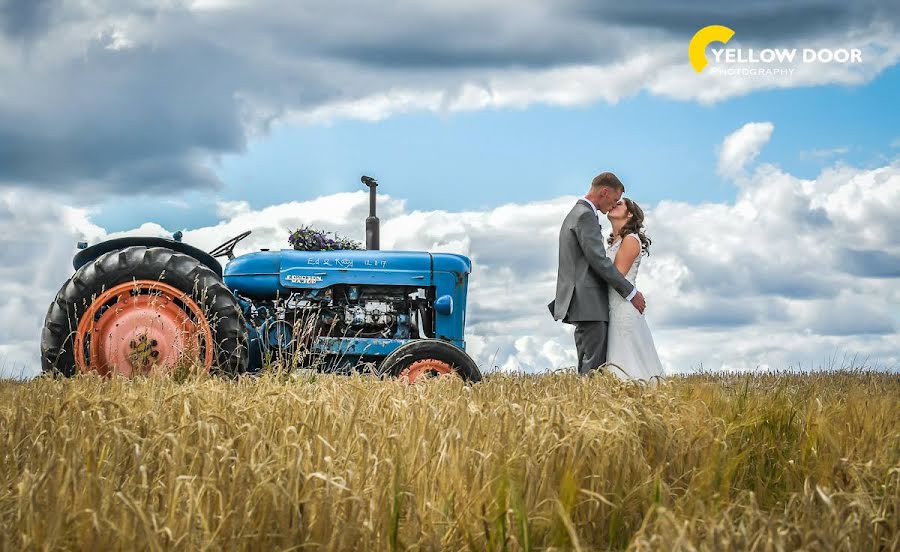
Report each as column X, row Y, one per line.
column 316, row 462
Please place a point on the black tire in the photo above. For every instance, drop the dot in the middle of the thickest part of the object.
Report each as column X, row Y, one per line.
column 145, row 263
column 421, row 349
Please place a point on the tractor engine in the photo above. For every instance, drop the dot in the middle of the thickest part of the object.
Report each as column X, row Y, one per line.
column 341, row 311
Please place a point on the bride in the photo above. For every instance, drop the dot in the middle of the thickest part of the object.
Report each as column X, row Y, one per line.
column 631, row 353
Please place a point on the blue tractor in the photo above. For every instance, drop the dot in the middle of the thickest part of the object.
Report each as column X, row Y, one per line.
column 145, row 305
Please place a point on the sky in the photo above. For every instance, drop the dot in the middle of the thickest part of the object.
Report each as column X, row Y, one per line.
column 771, row 200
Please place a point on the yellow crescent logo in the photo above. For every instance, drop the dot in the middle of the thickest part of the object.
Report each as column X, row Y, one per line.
column 702, row 39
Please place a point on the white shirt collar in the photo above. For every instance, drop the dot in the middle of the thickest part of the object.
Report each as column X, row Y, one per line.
column 593, row 208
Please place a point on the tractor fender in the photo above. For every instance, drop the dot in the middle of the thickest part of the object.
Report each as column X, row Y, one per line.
column 93, row 252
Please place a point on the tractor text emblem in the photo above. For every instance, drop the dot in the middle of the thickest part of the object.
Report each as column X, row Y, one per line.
column 303, row 279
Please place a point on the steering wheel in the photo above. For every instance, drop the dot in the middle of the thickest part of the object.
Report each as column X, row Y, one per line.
column 227, row 248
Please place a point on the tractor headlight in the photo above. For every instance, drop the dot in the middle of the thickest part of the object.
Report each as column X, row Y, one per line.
column 444, row 305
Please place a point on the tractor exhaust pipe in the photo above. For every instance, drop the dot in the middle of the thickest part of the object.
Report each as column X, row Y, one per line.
column 372, row 224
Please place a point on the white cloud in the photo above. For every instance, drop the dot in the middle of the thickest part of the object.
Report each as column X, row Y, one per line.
column 823, row 153
column 742, row 146
column 114, row 39
column 794, row 273
column 37, row 241
column 231, row 209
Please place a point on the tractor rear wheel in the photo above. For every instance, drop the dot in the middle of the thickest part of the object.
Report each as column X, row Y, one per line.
column 141, row 311
column 428, row 358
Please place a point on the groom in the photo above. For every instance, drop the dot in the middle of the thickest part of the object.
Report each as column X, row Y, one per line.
column 585, row 270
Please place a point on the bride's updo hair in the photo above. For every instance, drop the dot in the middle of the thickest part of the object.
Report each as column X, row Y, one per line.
column 635, row 225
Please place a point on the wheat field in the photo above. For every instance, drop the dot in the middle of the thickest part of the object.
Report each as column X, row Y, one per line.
column 707, row 462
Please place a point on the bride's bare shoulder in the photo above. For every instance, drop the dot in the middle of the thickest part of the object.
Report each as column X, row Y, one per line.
column 636, row 244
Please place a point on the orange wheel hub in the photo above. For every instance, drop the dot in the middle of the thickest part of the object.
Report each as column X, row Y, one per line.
column 141, row 328
column 421, row 370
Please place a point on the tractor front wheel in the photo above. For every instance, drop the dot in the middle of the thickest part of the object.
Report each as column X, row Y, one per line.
column 429, row 358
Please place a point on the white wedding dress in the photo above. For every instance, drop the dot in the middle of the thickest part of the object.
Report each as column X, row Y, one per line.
column 630, row 354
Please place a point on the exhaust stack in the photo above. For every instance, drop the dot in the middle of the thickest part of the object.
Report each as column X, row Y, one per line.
column 372, row 223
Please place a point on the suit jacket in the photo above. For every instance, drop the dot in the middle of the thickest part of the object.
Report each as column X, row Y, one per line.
column 584, row 269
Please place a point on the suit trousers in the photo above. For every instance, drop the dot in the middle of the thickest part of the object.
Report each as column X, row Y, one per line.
column 590, row 343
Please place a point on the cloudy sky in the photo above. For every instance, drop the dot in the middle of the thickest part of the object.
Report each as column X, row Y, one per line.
column 771, row 199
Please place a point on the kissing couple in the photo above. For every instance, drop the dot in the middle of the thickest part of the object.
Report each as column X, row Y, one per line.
column 595, row 286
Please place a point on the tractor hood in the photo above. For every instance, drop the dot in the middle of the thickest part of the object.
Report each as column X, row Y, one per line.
column 266, row 273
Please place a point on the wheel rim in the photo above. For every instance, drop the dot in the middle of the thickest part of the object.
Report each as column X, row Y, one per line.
column 141, row 328
column 425, row 369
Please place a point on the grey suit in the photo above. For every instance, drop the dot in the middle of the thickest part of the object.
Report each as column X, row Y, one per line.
column 581, row 284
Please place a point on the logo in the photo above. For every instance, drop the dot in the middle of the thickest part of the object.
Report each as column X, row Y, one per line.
column 759, row 62
column 302, row 279
column 703, row 38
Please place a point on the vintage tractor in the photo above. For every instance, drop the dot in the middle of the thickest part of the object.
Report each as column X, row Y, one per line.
column 146, row 305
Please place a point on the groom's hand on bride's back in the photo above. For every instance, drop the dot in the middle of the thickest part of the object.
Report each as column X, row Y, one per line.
column 638, row 302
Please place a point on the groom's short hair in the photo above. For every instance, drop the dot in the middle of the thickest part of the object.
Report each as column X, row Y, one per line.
column 607, row 180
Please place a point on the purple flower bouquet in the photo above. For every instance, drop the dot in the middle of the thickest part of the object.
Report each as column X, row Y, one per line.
column 309, row 239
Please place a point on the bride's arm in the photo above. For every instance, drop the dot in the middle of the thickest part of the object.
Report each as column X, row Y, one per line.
column 627, row 253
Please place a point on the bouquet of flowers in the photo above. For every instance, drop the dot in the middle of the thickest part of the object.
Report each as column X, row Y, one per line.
column 309, row 239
